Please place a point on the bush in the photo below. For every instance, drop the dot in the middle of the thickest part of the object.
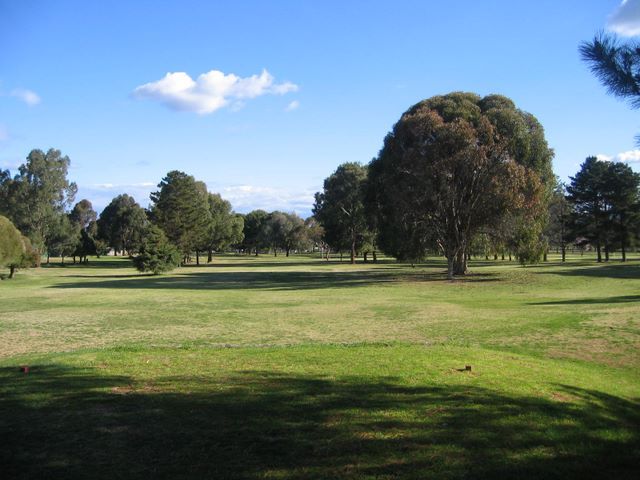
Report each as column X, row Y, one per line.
column 156, row 255
column 11, row 246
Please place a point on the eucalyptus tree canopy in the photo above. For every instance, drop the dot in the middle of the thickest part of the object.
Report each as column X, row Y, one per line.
column 35, row 197
column 283, row 230
column 453, row 165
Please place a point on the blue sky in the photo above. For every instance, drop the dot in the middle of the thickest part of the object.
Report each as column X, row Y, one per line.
column 125, row 88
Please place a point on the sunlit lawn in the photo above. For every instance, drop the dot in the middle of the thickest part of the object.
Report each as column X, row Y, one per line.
column 336, row 371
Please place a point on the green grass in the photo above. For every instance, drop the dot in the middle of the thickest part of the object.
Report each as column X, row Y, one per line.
column 335, row 371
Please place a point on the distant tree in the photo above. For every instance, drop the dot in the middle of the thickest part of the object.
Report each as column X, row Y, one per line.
column 340, row 207
column 454, row 165
column 63, row 238
column 586, row 194
column 121, row 225
column 557, row 230
column 157, row 254
column 294, row 233
column 83, row 214
column 181, row 208
column 11, row 246
column 225, row 228
column 622, row 198
column 253, row 230
column 237, row 231
column 617, row 66
column 283, row 231
column 315, row 236
column 84, row 217
column 37, row 195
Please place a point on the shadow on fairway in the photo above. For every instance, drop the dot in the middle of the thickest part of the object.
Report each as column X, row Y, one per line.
column 262, row 280
column 591, row 269
column 593, row 301
column 75, row 423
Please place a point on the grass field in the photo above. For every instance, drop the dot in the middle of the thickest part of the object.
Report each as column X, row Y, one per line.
column 300, row 368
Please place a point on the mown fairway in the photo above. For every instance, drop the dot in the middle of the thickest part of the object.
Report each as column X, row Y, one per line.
column 336, row 371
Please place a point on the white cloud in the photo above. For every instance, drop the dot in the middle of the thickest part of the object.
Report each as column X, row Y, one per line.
column 625, row 20
column 293, row 106
column 631, row 156
column 27, row 96
column 211, row 91
column 245, row 198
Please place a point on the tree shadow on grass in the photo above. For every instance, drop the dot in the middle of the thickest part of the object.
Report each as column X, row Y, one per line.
column 262, row 280
column 593, row 301
column 75, row 423
column 589, row 269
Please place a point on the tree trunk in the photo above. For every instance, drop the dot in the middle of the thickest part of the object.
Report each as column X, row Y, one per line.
column 450, row 268
column 599, row 252
column 353, row 252
column 375, row 257
column 12, row 270
column 340, row 256
column 495, row 256
column 606, row 253
column 502, row 256
column 197, row 258
column 624, row 252
column 209, row 256
column 460, row 263
column 564, row 253
column 287, row 250
column 365, row 257
column 544, row 256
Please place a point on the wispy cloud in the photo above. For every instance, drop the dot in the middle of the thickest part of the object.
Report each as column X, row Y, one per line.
column 12, row 165
column 293, row 106
column 4, row 133
column 29, row 97
column 100, row 194
column 211, row 91
column 243, row 198
column 604, row 158
column 625, row 20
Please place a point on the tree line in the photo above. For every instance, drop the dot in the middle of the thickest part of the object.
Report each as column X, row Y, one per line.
column 458, row 175
column 183, row 222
